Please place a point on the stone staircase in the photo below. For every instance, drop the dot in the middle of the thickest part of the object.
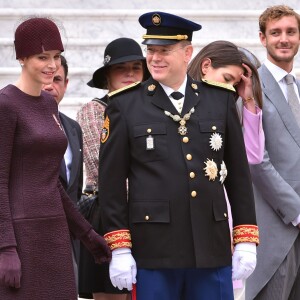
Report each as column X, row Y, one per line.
column 89, row 26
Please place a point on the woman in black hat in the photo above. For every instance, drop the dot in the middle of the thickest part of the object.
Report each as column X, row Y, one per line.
column 123, row 64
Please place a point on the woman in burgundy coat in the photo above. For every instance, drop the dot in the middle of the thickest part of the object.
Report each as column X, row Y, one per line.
column 35, row 213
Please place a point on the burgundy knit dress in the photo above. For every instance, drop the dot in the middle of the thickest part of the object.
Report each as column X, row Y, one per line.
column 32, row 216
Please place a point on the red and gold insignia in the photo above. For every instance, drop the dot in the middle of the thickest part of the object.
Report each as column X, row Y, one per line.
column 105, row 131
column 118, row 239
column 245, row 233
column 156, row 19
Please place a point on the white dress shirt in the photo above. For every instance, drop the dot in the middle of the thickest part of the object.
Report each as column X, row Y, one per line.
column 279, row 75
column 177, row 103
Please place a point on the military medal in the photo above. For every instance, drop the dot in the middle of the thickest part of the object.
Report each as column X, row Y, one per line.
column 211, row 169
column 215, row 141
column 182, row 129
column 223, row 172
column 149, row 143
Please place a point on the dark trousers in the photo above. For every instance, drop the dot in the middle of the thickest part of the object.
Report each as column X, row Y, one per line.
column 184, row 284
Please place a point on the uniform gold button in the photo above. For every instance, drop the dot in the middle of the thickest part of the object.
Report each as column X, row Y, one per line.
column 149, row 130
column 185, row 139
column 189, row 157
column 225, row 215
column 214, row 128
column 193, row 194
column 192, row 174
column 147, row 218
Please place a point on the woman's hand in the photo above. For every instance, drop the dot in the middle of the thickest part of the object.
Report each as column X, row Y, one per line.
column 10, row 268
column 245, row 89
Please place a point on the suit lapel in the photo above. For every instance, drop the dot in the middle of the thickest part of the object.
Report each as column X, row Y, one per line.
column 298, row 86
column 158, row 96
column 191, row 98
column 273, row 92
column 73, row 140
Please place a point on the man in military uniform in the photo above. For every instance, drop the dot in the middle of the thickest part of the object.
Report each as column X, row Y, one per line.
column 177, row 142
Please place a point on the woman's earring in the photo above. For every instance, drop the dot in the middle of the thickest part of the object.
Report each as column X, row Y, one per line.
column 22, row 65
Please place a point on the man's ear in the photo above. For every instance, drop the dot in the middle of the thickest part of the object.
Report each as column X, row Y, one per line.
column 66, row 82
column 262, row 38
column 206, row 64
column 188, row 53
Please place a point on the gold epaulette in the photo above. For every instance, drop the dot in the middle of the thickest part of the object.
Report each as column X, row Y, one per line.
column 220, row 84
column 245, row 233
column 118, row 239
column 125, row 88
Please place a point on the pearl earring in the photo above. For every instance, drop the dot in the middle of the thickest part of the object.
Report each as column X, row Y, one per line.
column 22, row 65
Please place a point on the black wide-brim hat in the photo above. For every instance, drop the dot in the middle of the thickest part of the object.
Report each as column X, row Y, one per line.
column 118, row 51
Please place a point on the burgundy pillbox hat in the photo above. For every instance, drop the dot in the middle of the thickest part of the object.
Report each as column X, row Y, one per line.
column 36, row 35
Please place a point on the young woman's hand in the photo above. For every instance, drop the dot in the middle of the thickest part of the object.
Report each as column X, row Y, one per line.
column 245, row 89
column 10, row 268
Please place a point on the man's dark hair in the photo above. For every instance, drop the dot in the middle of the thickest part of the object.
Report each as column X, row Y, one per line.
column 64, row 64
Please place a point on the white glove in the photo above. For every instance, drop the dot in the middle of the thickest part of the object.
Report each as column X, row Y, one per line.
column 122, row 269
column 243, row 260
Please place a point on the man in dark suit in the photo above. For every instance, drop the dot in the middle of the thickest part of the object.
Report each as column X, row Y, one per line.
column 172, row 138
column 277, row 179
column 71, row 173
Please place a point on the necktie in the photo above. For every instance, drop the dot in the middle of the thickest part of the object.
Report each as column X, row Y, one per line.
column 292, row 97
column 177, row 95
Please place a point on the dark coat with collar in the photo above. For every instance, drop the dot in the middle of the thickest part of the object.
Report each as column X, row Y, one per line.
column 74, row 187
column 176, row 220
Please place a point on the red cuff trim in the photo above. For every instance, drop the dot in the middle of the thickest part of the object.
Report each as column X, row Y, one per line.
column 245, row 233
column 118, row 239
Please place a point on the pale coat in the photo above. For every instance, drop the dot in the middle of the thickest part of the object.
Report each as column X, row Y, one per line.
column 276, row 184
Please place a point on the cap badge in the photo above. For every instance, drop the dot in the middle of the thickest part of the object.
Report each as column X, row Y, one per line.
column 151, row 87
column 211, row 169
column 106, row 59
column 156, row 19
column 215, row 141
column 223, row 172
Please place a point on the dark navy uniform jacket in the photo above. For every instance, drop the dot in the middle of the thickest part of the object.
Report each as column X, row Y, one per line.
column 177, row 216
